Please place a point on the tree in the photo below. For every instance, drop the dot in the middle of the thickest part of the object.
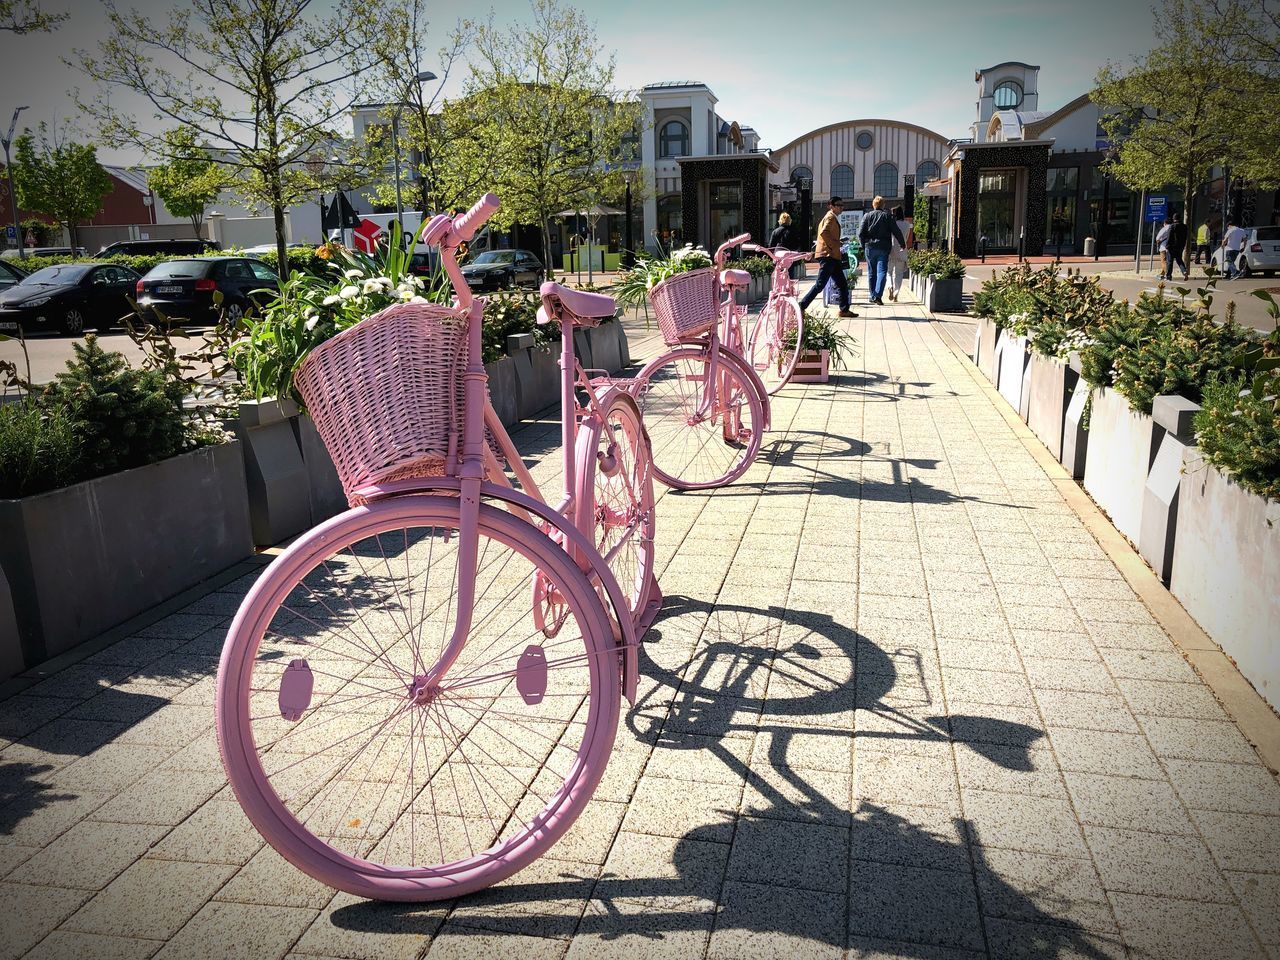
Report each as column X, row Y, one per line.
column 190, row 181
column 59, row 178
column 263, row 84
column 544, row 102
column 1255, row 25
column 25, row 16
column 1178, row 111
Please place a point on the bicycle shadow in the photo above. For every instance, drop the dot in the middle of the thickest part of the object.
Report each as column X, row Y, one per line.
column 885, row 874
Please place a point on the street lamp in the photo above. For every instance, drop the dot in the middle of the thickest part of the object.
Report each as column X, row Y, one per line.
column 629, row 257
column 8, row 169
column 422, row 76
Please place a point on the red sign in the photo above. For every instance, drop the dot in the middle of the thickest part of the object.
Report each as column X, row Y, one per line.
column 366, row 235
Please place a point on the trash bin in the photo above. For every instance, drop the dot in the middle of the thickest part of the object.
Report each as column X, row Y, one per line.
column 1090, row 245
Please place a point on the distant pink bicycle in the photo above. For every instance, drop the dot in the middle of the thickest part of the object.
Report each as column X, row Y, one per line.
column 419, row 696
column 705, row 408
column 779, row 329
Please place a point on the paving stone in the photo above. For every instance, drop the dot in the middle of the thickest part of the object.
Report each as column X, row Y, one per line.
column 1069, row 675
column 1259, row 894
column 1015, row 939
column 161, row 798
column 774, row 923
column 1132, row 861
column 30, row 913
column 1167, row 929
column 270, row 880
column 217, row 832
column 1086, row 711
column 1098, row 751
column 111, row 768
column 1010, row 770
column 152, row 899
column 68, row 945
column 40, row 816
column 591, row 836
column 782, row 853
column 88, row 856
column 976, row 655
column 1128, row 802
column 1241, row 841
column 1039, row 889
column 701, row 759
column 909, row 835
column 1241, row 788
column 1159, row 698
column 896, row 902
column 1189, row 739
column 642, row 867
column 546, row 899
column 1148, row 665
column 672, row 808
column 980, row 686
column 1130, row 636
column 897, row 778
column 350, row 927
column 239, row 930
column 456, row 942
column 1034, row 824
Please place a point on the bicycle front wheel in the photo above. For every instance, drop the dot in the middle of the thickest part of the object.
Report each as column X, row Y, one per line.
column 702, row 434
column 774, row 339
column 369, row 779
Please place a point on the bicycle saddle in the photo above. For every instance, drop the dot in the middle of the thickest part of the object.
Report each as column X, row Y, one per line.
column 592, row 306
column 735, row 278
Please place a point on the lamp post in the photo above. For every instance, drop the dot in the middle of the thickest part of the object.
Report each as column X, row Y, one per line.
column 8, row 169
column 422, row 76
column 629, row 255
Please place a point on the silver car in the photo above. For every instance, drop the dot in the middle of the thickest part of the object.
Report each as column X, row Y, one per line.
column 1261, row 253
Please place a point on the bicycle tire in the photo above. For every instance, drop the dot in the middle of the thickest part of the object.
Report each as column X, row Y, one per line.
column 287, row 614
column 691, row 452
column 769, row 357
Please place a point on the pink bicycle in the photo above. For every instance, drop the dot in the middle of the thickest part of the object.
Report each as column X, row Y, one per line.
column 705, row 408
column 781, row 321
column 418, row 697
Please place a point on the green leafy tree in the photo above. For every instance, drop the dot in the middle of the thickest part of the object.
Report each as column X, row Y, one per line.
column 59, row 178
column 189, row 181
column 1183, row 108
column 263, row 84
column 25, row 16
column 1254, row 25
column 543, row 98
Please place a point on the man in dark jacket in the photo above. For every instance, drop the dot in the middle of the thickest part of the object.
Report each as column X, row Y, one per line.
column 877, row 233
column 1175, row 253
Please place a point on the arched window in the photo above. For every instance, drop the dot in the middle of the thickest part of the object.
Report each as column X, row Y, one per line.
column 886, row 180
column 673, row 139
column 801, row 173
column 842, row 180
column 1007, row 95
column 928, row 170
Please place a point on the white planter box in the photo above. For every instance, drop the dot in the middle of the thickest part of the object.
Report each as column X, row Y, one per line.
column 1051, row 384
column 1226, row 565
column 1115, row 473
column 989, row 336
column 1011, row 366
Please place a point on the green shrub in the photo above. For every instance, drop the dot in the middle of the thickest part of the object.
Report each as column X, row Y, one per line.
column 37, row 449
column 1057, row 311
column 120, row 417
column 635, row 284
column 941, row 264
column 1238, row 430
column 510, row 313
column 821, row 333
column 1178, row 357
column 307, row 261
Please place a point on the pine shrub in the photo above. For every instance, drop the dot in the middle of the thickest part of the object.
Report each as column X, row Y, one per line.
column 1238, row 431
column 37, row 449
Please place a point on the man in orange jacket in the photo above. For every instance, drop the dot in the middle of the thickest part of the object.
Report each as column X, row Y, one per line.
column 830, row 262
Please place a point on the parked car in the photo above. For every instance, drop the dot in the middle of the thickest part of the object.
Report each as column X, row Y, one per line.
column 69, row 297
column 9, row 275
column 12, row 254
column 187, row 290
column 164, row 248
column 501, row 269
column 1261, row 253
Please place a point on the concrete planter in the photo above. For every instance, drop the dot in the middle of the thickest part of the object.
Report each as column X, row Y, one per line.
column 85, row 558
column 1075, row 438
column 1052, row 382
column 1012, row 357
column 989, row 336
column 1120, row 454
column 11, row 659
column 813, row 366
column 279, row 484
column 945, row 296
column 1226, row 564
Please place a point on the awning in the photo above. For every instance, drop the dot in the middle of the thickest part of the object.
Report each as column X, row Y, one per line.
column 598, row 210
column 936, row 188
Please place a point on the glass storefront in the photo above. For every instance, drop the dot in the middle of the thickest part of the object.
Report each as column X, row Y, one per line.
column 1060, row 213
column 726, row 210
column 669, row 221
column 997, row 198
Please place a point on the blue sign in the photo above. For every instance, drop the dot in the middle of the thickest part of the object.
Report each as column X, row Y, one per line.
column 11, row 232
column 1157, row 209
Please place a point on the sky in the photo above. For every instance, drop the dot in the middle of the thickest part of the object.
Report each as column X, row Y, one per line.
column 784, row 69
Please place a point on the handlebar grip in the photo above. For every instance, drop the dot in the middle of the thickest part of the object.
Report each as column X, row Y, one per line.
column 755, row 248
column 729, row 245
column 465, row 226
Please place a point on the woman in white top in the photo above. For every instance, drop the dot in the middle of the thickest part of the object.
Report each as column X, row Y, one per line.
column 898, row 255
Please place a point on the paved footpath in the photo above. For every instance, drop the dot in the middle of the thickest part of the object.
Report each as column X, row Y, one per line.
column 899, row 704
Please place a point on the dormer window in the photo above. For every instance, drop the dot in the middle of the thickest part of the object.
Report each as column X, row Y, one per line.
column 1007, row 95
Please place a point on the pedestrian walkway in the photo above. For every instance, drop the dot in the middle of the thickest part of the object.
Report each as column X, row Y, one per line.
column 899, row 703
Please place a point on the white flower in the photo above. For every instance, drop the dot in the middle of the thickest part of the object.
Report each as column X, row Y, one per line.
column 330, row 300
column 353, row 273
column 311, row 323
column 349, row 293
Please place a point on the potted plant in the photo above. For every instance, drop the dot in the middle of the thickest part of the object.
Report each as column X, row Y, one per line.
column 824, row 346
column 946, row 286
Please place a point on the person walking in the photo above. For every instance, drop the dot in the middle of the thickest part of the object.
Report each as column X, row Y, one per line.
column 898, row 254
column 1202, row 243
column 1174, row 249
column 830, row 261
column 1162, row 244
column 785, row 236
column 1233, row 239
column 877, row 233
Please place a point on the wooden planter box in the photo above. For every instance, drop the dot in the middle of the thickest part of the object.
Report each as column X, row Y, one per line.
column 812, row 367
column 1120, row 454
column 85, row 558
column 1226, row 564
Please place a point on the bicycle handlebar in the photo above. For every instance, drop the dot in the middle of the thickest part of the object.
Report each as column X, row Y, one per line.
column 729, row 245
column 465, row 226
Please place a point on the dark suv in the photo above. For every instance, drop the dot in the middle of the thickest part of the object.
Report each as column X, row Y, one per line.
column 164, row 248
column 187, row 290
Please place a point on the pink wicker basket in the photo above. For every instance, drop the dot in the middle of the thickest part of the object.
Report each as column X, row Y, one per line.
column 386, row 395
column 685, row 304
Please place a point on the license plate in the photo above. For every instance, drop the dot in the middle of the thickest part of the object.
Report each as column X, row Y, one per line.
column 9, row 325
column 168, row 289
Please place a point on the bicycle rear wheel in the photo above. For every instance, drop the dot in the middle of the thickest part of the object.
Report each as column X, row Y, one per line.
column 781, row 321
column 616, row 490
column 697, row 445
column 369, row 780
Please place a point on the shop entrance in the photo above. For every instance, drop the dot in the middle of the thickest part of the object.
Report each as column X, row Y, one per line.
column 997, row 207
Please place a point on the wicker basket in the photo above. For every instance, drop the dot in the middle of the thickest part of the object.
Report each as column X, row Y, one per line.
column 386, row 394
column 685, row 304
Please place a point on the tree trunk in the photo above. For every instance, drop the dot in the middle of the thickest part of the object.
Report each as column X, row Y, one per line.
column 282, row 246
column 544, row 225
column 196, row 224
column 1188, row 201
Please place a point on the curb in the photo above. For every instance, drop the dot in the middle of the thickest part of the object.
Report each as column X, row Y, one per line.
column 1244, row 705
